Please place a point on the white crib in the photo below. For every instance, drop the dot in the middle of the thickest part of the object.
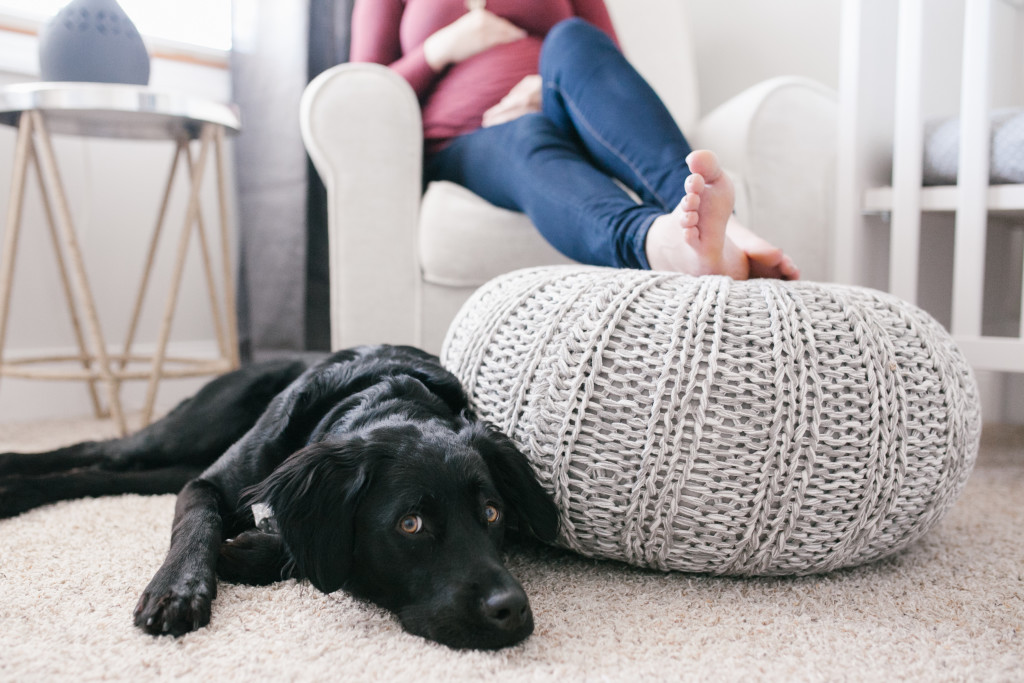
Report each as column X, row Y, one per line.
column 891, row 80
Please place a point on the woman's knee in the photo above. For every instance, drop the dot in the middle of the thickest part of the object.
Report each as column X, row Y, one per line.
column 573, row 28
column 574, row 32
column 572, row 40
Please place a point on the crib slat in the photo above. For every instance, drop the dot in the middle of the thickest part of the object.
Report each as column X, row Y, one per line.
column 904, row 249
column 972, row 210
column 1020, row 334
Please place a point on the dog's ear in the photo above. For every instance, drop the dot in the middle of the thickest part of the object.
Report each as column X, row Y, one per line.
column 534, row 513
column 441, row 383
column 313, row 495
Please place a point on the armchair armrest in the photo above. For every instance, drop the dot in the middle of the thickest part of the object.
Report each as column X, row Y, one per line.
column 779, row 138
column 362, row 128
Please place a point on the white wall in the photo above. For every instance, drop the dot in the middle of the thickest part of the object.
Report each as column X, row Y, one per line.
column 114, row 188
column 743, row 42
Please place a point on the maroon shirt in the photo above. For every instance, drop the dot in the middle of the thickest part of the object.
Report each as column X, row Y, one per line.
column 392, row 32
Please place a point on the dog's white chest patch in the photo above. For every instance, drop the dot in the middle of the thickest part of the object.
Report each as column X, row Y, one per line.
column 263, row 515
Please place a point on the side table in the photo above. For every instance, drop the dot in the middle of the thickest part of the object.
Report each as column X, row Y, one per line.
column 40, row 110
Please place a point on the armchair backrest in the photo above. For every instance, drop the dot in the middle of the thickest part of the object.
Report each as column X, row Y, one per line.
column 655, row 35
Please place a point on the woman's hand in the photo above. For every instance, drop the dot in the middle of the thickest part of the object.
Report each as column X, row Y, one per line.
column 523, row 98
column 470, row 34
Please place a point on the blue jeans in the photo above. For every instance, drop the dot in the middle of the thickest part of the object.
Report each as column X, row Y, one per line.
column 600, row 121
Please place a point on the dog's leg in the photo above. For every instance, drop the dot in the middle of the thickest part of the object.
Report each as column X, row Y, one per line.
column 19, row 494
column 178, row 598
column 254, row 558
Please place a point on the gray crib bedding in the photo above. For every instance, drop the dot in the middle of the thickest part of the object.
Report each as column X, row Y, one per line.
column 1006, row 161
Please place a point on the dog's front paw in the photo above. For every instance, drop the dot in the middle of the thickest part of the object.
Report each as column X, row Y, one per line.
column 175, row 609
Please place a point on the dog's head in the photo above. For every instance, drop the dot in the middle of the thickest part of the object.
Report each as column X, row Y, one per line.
column 412, row 516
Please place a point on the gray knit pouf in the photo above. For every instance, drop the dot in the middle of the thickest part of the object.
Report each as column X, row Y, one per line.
column 707, row 425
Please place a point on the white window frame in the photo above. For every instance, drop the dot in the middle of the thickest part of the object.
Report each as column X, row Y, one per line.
column 28, row 20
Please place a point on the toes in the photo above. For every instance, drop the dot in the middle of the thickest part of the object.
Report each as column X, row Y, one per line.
column 789, row 269
column 772, row 263
column 705, row 163
column 688, row 208
column 694, row 184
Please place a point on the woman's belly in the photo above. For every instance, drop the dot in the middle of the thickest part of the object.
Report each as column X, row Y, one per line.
column 457, row 103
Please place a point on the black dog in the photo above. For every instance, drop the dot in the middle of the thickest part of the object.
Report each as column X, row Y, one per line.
column 372, row 474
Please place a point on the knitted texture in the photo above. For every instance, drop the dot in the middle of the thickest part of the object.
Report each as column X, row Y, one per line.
column 708, row 425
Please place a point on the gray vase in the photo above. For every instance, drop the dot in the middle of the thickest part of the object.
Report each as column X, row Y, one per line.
column 92, row 40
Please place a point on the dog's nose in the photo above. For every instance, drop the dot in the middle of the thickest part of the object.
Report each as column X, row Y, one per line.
column 507, row 608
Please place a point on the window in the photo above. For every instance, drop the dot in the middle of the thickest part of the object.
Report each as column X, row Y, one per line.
column 202, row 24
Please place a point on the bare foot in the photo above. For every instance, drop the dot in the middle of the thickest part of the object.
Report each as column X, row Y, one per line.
column 766, row 260
column 692, row 239
column 702, row 237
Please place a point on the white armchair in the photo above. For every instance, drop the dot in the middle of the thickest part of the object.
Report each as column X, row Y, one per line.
column 402, row 262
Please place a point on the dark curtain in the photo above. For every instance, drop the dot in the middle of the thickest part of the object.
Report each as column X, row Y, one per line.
column 283, row 293
column 329, row 37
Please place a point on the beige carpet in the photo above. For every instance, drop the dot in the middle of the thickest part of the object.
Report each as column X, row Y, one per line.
column 950, row 608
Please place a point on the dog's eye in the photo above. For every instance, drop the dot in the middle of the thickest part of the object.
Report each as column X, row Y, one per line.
column 491, row 514
column 411, row 524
